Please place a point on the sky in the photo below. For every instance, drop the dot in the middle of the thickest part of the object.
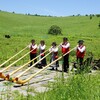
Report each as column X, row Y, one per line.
column 51, row 7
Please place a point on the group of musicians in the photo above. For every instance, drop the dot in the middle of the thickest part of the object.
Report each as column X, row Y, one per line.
column 65, row 47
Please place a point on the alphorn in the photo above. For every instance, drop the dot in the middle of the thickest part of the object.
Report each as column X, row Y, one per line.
column 29, row 67
column 16, row 80
column 4, row 76
column 8, row 76
column 13, row 56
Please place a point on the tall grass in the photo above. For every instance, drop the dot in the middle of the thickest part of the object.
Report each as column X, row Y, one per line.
column 78, row 87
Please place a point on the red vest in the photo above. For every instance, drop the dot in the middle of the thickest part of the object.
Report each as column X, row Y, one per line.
column 33, row 50
column 80, row 54
column 55, row 55
column 42, row 54
column 65, row 50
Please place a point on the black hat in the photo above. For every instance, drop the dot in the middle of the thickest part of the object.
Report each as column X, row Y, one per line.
column 42, row 42
column 80, row 41
column 32, row 40
column 65, row 39
column 54, row 43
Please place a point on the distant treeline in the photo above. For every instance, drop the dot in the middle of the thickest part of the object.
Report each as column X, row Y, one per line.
column 39, row 15
column 91, row 15
column 97, row 15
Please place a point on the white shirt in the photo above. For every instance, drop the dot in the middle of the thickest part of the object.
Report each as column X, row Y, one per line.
column 53, row 49
column 41, row 47
column 81, row 49
column 33, row 46
column 65, row 45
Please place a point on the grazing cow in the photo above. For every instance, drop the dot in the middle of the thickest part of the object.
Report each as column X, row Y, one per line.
column 7, row 36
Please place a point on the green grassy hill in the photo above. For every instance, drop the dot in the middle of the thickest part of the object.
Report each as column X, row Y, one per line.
column 23, row 28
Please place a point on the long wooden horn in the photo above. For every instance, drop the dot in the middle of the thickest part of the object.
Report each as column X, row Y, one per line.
column 8, row 76
column 31, row 66
column 4, row 76
column 13, row 56
column 16, row 80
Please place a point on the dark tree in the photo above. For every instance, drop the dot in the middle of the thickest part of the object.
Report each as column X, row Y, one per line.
column 13, row 12
column 99, row 25
column 29, row 14
column 98, row 15
column 78, row 15
column 36, row 15
column 86, row 15
column 90, row 16
column 55, row 30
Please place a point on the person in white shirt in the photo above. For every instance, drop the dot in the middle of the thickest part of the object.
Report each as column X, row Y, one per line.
column 65, row 47
column 33, row 53
column 54, row 56
column 80, row 52
column 41, row 49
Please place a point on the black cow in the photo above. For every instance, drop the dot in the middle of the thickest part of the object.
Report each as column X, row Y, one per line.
column 7, row 36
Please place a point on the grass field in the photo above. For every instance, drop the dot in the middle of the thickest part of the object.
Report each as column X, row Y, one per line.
column 23, row 28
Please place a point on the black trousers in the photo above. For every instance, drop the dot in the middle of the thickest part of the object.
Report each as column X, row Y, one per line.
column 32, row 56
column 53, row 59
column 43, row 62
column 66, row 63
column 80, row 61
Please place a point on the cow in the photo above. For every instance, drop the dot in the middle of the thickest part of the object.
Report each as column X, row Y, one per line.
column 7, row 36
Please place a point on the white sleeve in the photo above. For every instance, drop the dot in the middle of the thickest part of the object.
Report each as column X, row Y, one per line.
column 76, row 48
column 55, row 50
column 50, row 49
column 42, row 47
column 38, row 47
column 82, row 49
column 66, row 46
column 60, row 46
column 35, row 46
column 29, row 46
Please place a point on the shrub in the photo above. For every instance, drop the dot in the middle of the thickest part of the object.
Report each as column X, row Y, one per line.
column 54, row 30
column 98, row 15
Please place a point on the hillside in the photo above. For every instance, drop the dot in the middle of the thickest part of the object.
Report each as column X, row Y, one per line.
column 23, row 28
